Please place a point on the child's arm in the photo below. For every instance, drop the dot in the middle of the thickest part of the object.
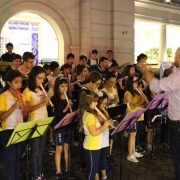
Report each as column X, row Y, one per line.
column 94, row 131
column 5, row 114
column 37, row 106
column 128, row 100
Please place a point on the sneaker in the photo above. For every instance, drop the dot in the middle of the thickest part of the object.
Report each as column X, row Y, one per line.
column 139, row 149
column 105, row 178
column 59, row 176
column 83, row 170
column 70, row 175
column 110, row 159
column 41, row 177
column 136, row 154
column 52, row 144
column 132, row 159
column 149, row 147
column 76, row 144
column 126, row 134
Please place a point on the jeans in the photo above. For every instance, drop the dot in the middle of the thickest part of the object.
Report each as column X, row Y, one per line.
column 37, row 149
column 174, row 141
column 10, row 156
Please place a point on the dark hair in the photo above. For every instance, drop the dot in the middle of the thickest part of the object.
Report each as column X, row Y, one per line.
column 11, row 74
column 16, row 56
column 126, row 70
column 109, row 51
column 80, row 69
column 31, row 80
column 67, row 66
column 101, row 99
column 58, row 82
column 87, row 97
column 102, row 59
column 94, row 77
column 53, row 65
column 9, row 44
column 148, row 93
column 94, row 51
column 140, row 82
column 46, row 66
column 141, row 56
column 114, row 64
column 70, row 55
column 110, row 75
column 129, row 85
column 27, row 55
column 82, row 57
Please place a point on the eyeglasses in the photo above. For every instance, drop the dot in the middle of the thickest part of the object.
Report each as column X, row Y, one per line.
column 97, row 84
column 41, row 78
column 104, row 104
column 112, row 82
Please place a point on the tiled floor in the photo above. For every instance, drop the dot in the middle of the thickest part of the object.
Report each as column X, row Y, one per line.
column 144, row 170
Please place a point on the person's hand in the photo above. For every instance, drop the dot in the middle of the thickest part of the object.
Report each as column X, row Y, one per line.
column 18, row 103
column 50, row 84
column 70, row 103
column 71, row 87
column 107, row 122
column 143, row 99
column 148, row 76
column 46, row 100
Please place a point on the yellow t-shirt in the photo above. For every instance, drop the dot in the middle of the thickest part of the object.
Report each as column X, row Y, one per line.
column 7, row 101
column 134, row 100
column 35, row 98
column 91, row 142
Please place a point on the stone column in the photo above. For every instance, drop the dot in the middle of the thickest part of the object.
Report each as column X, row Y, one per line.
column 123, row 30
column 75, row 51
column 85, row 27
column 163, row 48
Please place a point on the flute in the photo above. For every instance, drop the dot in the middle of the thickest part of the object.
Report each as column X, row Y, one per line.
column 25, row 109
column 46, row 94
column 141, row 94
column 67, row 101
column 103, row 116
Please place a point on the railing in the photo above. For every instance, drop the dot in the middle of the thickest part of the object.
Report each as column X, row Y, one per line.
column 170, row 2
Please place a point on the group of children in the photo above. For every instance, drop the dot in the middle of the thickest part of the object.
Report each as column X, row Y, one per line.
column 94, row 91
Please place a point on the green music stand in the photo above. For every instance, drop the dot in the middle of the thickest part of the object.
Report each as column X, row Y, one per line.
column 29, row 130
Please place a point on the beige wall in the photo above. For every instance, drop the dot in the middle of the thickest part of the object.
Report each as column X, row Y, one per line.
column 88, row 24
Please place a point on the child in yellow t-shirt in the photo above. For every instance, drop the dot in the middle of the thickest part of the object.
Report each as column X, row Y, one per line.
column 132, row 97
column 11, row 113
column 37, row 103
column 93, row 130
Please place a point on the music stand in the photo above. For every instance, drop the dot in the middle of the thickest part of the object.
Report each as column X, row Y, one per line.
column 127, row 123
column 68, row 120
column 26, row 131
column 159, row 101
column 117, row 110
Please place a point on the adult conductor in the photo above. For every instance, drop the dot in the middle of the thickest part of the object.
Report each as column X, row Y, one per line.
column 171, row 85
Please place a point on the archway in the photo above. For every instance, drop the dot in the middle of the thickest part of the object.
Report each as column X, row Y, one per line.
column 55, row 18
column 28, row 32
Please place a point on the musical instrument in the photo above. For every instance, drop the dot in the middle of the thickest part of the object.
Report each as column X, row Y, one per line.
column 67, row 101
column 25, row 109
column 111, row 126
column 46, row 94
column 75, row 82
column 142, row 94
column 128, row 106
